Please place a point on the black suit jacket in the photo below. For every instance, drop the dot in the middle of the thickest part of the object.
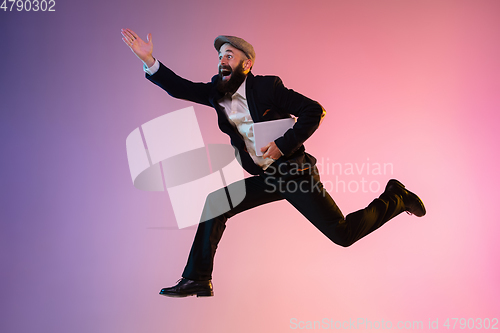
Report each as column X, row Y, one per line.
column 268, row 99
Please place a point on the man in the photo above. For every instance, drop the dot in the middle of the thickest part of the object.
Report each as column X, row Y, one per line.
column 284, row 171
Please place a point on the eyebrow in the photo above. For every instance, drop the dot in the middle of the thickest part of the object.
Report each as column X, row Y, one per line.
column 231, row 51
column 227, row 51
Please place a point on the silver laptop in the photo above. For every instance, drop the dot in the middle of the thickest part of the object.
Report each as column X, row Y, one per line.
column 267, row 131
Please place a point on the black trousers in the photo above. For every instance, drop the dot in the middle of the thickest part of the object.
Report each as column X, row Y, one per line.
column 304, row 190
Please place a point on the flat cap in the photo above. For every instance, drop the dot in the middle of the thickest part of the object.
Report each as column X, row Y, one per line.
column 238, row 43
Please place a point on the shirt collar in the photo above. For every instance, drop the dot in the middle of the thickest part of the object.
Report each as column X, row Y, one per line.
column 242, row 90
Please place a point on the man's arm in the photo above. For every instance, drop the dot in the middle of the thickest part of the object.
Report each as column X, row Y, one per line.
column 160, row 75
column 309, row 115
column 179, row 87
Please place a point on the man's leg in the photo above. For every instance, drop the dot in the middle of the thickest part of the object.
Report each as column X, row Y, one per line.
column 197, row 274
column 209, row 233
column 306, row 193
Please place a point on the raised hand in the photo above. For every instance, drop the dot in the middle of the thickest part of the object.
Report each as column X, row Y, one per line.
column 143, row 50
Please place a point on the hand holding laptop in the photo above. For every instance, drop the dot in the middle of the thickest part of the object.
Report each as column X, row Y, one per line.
column 266, row 132
column 271, row 151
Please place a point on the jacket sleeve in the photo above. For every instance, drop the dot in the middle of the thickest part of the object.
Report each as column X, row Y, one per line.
column 309, row 114
column 179, row 87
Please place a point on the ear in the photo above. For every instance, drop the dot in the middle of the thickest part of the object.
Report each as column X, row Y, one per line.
column 248, row 65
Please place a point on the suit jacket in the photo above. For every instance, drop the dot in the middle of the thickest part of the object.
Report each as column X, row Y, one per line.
column 267, row 98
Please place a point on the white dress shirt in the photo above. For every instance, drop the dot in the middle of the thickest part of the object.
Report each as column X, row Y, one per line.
column 236, row 107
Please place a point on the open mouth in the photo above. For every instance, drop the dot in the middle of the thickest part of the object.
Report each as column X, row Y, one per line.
column 225, row 72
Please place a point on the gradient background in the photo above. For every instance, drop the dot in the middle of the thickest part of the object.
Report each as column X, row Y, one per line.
column 412, row 83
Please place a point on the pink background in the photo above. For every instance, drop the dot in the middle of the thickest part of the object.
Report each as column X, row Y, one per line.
column 410, row 83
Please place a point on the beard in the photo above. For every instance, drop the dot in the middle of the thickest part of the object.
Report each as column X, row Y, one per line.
column 234, row 82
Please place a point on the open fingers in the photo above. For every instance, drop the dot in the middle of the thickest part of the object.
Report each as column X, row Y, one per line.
column 130, row 33
column 129, row 36
column 126, row 41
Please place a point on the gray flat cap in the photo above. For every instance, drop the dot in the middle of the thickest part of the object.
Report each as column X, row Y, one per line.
column 238, row 43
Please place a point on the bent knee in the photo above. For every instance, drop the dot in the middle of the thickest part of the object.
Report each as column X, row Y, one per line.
column 345, row 243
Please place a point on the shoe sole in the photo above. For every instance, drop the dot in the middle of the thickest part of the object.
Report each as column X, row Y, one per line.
column 208, row 293
column 202, row 294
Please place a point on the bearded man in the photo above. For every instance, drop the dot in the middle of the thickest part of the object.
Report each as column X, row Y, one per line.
column 240, row 100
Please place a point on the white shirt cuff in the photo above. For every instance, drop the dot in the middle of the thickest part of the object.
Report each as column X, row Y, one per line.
column 153, row 69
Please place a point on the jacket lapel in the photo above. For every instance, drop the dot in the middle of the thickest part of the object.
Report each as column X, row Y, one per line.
column 251, row 98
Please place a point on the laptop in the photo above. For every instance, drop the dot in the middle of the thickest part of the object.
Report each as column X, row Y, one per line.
column 268, row 131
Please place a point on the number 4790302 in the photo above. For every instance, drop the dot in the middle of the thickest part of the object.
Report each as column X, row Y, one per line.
column 28, row 5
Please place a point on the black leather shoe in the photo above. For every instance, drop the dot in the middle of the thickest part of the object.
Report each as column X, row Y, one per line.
column 186, row 287
column 411, row 201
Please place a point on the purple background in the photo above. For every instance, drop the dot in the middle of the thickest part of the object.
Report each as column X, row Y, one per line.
column 411, row 83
